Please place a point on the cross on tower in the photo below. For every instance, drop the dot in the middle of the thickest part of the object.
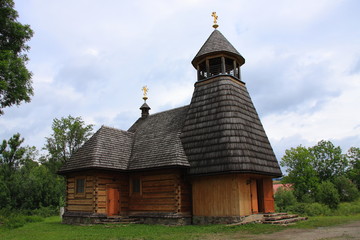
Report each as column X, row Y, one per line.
column 215, row 20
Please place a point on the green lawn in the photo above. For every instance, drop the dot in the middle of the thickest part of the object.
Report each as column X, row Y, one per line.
column 52, row 229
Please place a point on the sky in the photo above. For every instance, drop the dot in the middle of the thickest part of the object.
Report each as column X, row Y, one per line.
column 91, row 58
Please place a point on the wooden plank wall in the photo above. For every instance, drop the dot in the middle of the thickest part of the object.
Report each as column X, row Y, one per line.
column 161, row 191
column 111, row 180
column 186, row 197
column 230, row 195
column 245, row 195
column 95, row 198
column 216, row 196
column 83, row 202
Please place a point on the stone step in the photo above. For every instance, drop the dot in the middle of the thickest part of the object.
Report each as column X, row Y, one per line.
column 280, row 217
column 275, row 214
column 119, row 220
column 286, row 221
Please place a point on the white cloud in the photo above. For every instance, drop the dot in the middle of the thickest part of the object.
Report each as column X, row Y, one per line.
column 91, row 58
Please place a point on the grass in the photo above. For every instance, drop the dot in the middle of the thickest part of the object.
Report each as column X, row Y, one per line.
column 52, row 229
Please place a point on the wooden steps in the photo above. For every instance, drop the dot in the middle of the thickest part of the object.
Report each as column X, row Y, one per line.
column 282, row 218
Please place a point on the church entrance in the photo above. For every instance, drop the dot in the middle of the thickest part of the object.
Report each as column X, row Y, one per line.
column 113, row 201
column 257, row 195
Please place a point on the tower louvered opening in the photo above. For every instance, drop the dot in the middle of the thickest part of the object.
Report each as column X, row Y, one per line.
column 215, row 66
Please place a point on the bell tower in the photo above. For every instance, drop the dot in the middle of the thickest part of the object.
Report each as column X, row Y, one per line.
column 217, row 57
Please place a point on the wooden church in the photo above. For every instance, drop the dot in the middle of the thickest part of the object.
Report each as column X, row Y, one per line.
column 207, row 162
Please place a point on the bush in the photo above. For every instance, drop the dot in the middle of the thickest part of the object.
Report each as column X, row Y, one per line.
column 20, row 220
column 348, row 208
column 284, row 198
column 328, row 194
column 45, row 211
column 317, row 209
column 347, row 190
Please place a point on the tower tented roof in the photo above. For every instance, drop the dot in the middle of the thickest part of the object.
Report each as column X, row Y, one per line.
column 217, row 43
column 222, row 132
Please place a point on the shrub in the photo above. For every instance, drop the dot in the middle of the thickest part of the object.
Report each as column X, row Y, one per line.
column 298, row 208
column 20, row 220
column 317, row 209
column 348, row 208
column 328, row 194
column 347, row 190
column 46, row 211
column 284, row 198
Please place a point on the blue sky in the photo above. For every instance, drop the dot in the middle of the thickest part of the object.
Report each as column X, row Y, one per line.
column 91, row 58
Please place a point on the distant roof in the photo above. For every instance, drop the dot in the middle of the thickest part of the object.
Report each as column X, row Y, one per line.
column 217, row 43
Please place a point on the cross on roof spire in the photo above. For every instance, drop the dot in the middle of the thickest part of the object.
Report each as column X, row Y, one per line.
column 145, row 89
column 215, row 20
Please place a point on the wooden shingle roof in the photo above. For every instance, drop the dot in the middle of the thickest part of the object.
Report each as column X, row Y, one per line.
column 152, row 142
column 108, row 148
column 217, row 43
column 223, row 133
column 157, row 140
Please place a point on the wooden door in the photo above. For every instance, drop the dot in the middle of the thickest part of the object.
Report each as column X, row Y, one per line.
column 269, row 203
column 254, row 196
column 113, row 201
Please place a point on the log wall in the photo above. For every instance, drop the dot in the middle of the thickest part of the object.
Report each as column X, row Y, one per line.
column 95, row 198
column 80, row 202
column 161, row 191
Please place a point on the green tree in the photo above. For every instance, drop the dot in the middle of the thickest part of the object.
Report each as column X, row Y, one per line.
column 69, row 134
column 11, row 155
column 284, row 198
column 298, row 162
column 328, row 160
column 15, row 78
column 327, row 194
column 353, row 173
column 347, row 190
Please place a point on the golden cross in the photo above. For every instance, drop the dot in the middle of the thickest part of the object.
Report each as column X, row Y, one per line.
column 145, row 89
column 215, row 19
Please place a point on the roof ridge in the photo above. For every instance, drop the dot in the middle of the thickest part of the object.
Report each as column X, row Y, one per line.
column 113, row 128
column 173, row 109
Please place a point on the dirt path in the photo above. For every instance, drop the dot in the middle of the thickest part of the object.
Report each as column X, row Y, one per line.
column 339, row 232
column 349, row 231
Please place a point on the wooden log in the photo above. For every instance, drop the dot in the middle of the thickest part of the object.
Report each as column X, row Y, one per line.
column 81, row 208
column 80, row 202
column 165, row 208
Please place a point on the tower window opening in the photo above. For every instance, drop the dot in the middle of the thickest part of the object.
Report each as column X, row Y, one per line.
column 202, row 74
column 214, row 66
column 229, row 66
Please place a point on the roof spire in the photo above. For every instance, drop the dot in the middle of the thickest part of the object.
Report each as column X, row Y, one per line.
column 215, row 20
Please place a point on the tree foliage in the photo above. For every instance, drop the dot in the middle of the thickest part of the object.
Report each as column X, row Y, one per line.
column 328, row 160
column 11, row 155
column 24, row 184
column 323, row 173
column 353, row 173
column 69, row 134
column 15, row 78
column 327, row 194
column 299, row 163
